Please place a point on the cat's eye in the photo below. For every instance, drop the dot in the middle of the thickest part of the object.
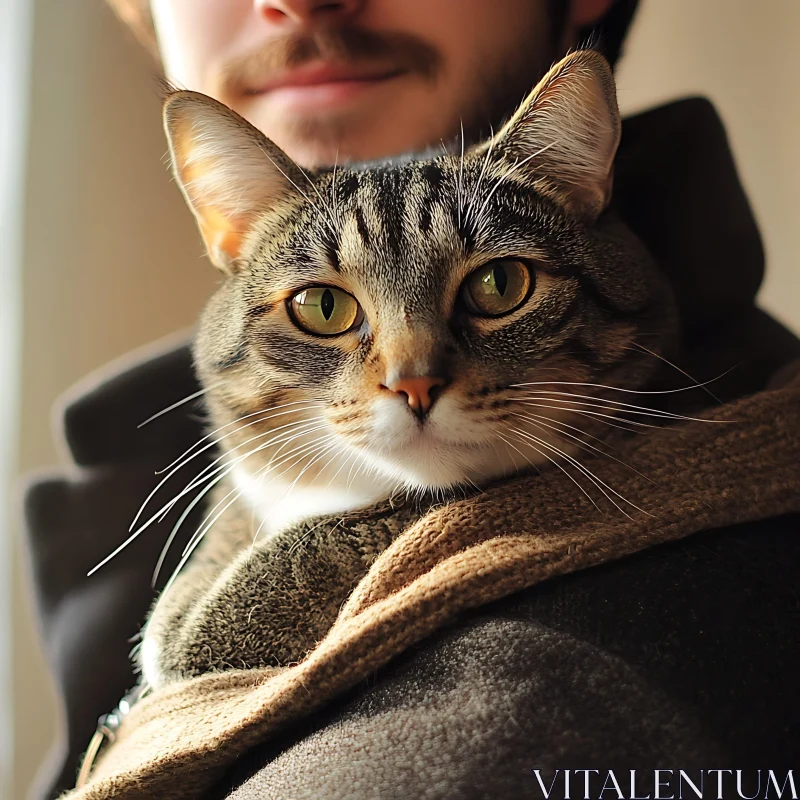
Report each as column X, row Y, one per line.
column 325, row 310
column 497, row 288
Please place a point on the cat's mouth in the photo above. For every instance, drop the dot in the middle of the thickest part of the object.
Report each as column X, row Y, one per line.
column 436, row 452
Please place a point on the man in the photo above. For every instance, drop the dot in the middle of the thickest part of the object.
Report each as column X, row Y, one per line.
column 363, row 79
column 679, row 657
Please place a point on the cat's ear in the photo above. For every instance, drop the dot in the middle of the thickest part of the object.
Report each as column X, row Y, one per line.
column 567, row 131
column 228, row 171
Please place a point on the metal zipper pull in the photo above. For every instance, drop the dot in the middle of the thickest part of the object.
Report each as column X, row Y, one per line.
column 106, row 732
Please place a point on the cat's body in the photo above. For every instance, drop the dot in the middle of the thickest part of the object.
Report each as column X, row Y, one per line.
column 422, row 327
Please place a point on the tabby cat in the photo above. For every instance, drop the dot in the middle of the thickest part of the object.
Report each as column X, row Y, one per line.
column 422, row 325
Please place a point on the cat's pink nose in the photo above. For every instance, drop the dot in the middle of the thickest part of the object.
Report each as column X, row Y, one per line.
column 421, row 393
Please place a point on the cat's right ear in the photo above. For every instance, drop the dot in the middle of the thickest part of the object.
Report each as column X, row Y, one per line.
column 566, row 132
column 228, row 171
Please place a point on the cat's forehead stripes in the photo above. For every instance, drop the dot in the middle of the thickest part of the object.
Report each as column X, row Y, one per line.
column 395, row 227
column 394, row 207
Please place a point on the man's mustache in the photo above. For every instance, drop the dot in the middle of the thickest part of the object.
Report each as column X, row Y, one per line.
column 349, row 45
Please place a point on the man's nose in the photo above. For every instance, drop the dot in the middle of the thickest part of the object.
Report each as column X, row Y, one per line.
column 420, row 393
column 305, row 11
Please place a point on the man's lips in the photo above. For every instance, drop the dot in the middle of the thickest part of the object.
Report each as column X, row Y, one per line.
column 322, row 85
column 323, row 74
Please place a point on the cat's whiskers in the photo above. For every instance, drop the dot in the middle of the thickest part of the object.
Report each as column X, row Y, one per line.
column 535, row 419
column 262, row 416
column 175, row 405
column 563, row 424
column 562, row 454
column 288, row 439
column 160, row 513
column 618, row 388
column 592, row 407
column 319, row 194
column 500, row 458
column 553, row 461
column 611, row 405
column 207, row 523
column 578, row 407
column 612, row 420
column 299, row 452
column 598, row 482
column 319, row 454
column 351, row 458
column 295, row 434
column 316, row 450
column 333, row 442
column 174, row 532
column 219, row 463
column 219, row 474
column 697, row 384
column 516, row 450
column 350, row 477
column 473, row 485
column 334, row 204
column 228, row 425
column 187, row 555
column 511, row 455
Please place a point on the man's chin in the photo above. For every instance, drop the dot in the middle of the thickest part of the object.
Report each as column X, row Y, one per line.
column 322, row 137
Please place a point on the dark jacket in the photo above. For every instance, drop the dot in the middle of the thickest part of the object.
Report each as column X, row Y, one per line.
column 682, row 657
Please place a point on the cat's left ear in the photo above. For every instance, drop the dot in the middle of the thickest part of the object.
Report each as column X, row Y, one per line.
column 566, row 133
column 228, row 171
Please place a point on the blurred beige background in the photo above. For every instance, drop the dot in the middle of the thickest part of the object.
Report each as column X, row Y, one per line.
column 111, row 260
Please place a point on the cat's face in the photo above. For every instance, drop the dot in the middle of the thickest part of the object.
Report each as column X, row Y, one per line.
column 404, row 320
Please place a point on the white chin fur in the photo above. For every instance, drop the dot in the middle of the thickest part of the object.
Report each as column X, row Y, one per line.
column 447, row 451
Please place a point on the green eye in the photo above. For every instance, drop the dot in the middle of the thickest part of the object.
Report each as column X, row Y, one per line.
column 325, row 310
column 497, row 288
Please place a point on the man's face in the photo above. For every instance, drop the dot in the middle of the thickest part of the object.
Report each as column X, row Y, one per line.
column 356, row 80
